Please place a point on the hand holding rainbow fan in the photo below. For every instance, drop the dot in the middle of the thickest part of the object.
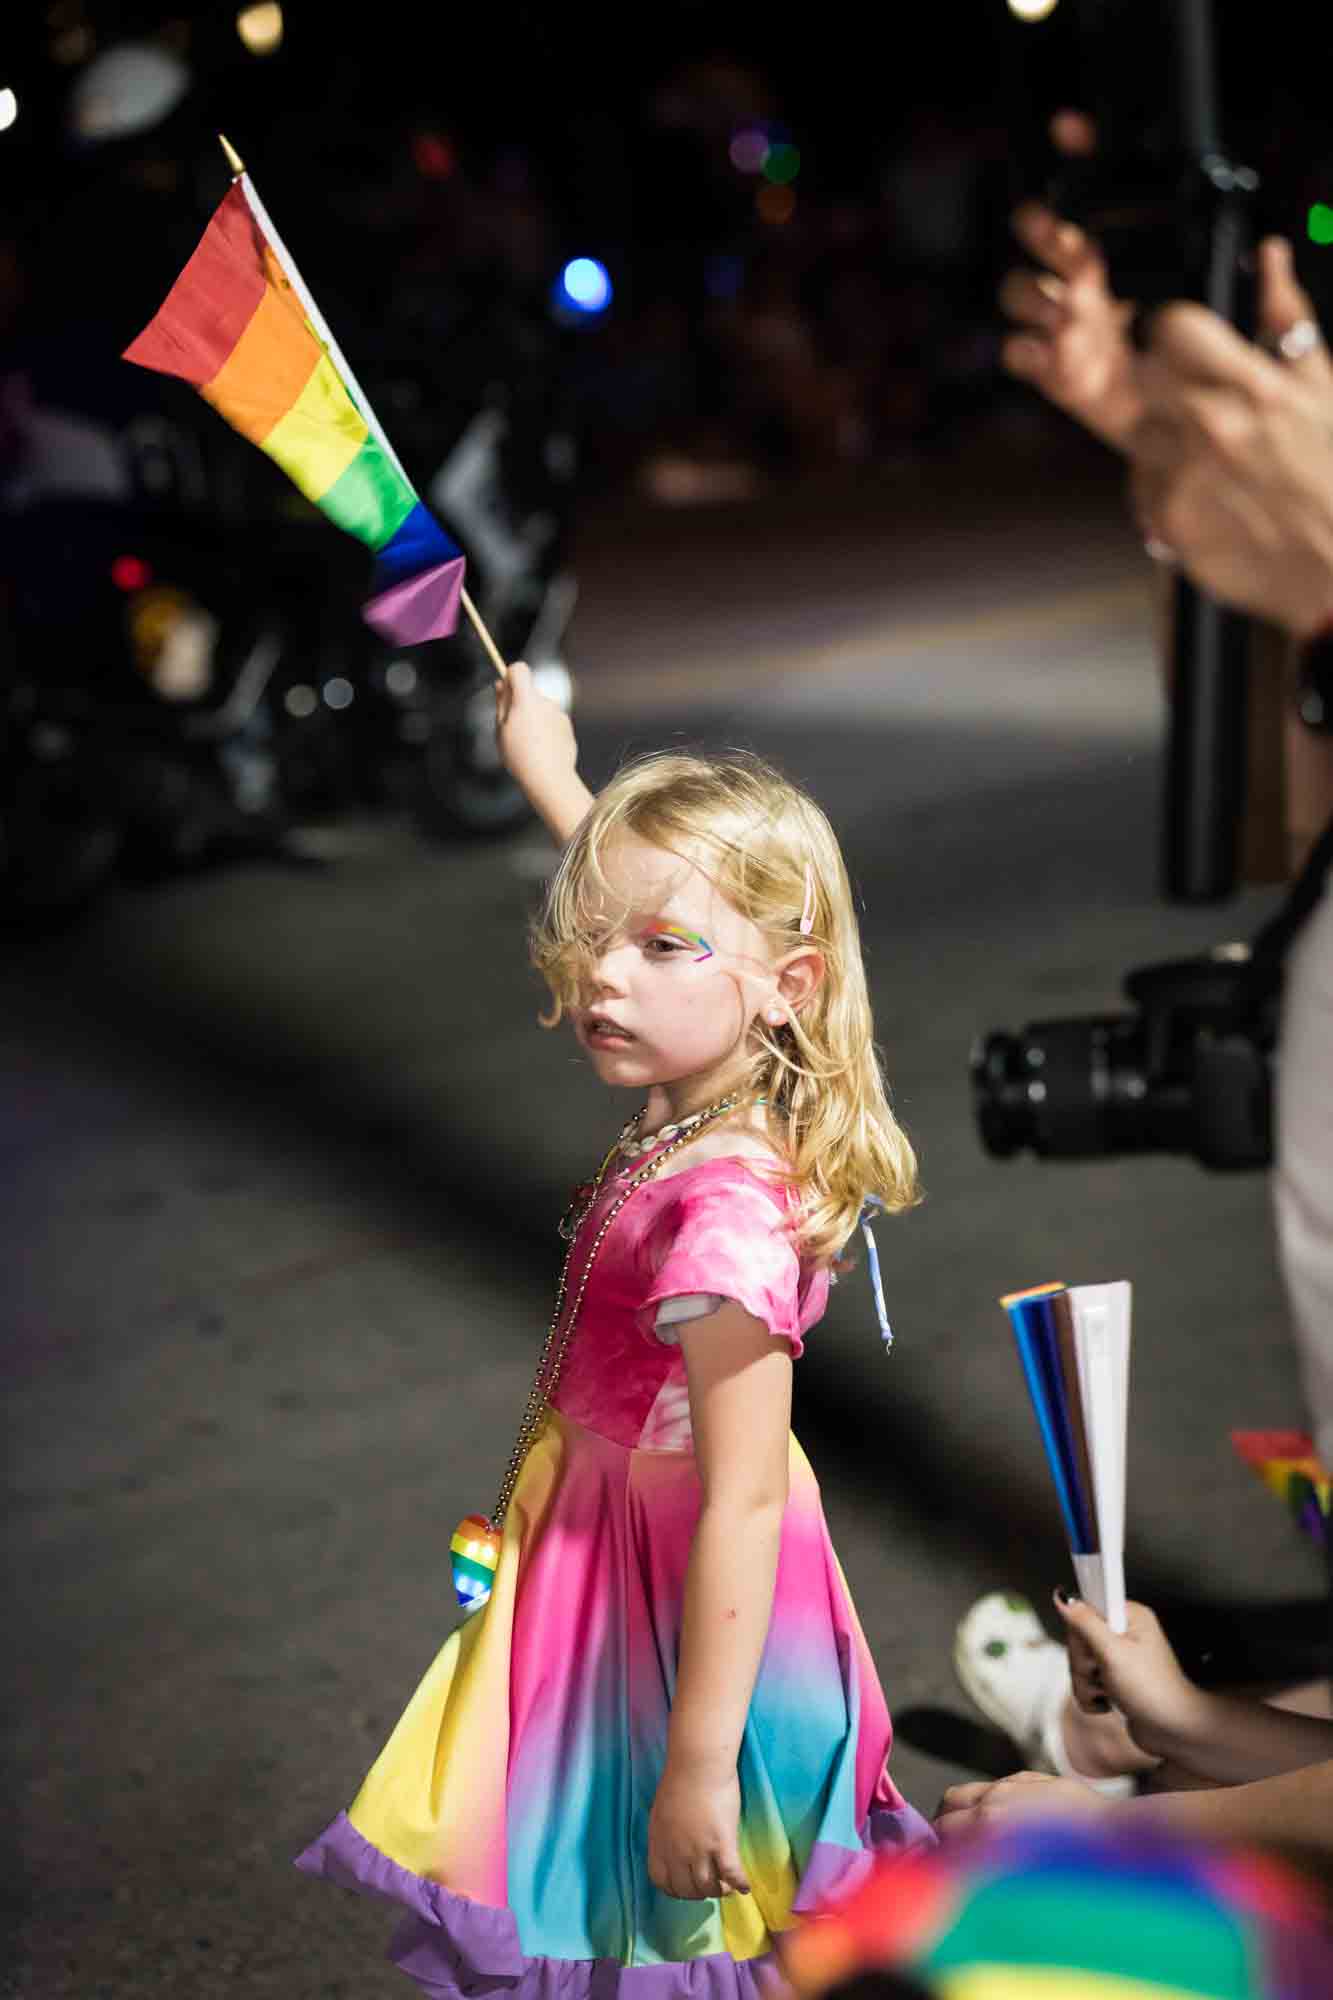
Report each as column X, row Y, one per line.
column 1073, row 1342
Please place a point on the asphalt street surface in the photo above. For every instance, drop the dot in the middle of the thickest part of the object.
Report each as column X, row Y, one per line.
column 285, row 1149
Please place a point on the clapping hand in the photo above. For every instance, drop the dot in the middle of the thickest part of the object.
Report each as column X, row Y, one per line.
column 1072, row 335
column 1232, row 457
column 1073, row 340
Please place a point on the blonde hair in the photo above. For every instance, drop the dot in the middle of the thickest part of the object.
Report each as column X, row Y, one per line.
column 755, row 834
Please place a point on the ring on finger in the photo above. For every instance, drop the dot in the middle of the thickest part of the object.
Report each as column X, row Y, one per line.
column 1301, row 338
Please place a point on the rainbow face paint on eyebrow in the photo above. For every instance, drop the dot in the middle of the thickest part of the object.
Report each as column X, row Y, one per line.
column 659, row 929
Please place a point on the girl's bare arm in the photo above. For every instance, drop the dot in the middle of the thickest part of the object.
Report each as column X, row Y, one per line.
column 740, row 1405
column 537, row 743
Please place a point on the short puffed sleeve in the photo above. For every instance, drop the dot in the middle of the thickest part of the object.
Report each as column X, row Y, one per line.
column 725, row 1234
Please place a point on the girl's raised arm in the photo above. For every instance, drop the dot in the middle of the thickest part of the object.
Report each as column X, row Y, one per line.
column 740, row 1407
column 537, row 742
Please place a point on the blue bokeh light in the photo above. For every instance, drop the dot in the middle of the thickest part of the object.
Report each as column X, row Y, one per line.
column 584, row 286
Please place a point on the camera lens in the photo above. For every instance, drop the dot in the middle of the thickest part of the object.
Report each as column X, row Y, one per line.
column 1190, row 1072
column 1061, row 1087
column 999, row 1095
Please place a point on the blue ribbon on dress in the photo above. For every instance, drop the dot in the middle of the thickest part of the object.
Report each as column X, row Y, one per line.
column 868, row 1207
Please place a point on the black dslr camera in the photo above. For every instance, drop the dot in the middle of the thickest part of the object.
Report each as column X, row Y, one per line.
column 1189, row 1072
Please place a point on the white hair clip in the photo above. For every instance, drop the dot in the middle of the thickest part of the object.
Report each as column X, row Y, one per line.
column 808, row 909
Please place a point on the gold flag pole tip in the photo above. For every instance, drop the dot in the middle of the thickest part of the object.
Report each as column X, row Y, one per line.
column 234, row 160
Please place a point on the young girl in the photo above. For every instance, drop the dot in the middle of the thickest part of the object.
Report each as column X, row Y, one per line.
column 661, row 1735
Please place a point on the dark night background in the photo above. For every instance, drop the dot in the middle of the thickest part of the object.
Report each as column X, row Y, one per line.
column 422, row 162
column 281, row 1146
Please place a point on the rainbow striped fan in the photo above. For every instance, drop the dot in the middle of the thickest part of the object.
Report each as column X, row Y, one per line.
column 473, row 1554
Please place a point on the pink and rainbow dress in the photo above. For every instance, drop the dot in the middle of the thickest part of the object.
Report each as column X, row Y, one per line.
column 507, row 1815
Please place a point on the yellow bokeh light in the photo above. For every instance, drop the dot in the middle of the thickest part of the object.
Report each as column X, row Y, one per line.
column 260, row 28
column 1031, row 10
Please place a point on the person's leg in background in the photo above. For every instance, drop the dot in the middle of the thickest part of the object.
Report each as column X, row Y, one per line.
column 1303, row 1174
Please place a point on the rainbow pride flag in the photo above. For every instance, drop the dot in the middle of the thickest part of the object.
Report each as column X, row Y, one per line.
column 1287, row 1463
column 240, row 327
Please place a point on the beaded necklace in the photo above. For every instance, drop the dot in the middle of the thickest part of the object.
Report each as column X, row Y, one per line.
column 475, row 1547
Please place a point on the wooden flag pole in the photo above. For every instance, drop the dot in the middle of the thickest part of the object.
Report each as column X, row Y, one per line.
column 496, row 656
column 237, row 165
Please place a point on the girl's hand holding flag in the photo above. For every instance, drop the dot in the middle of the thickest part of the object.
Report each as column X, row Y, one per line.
column 536, row 740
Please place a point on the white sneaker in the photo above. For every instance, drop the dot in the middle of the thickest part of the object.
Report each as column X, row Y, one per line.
column 1019, row 1678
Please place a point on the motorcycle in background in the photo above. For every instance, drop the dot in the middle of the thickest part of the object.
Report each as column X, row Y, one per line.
column 133, row 699
column 494, row 448
column 415, row 727
column 190, row 678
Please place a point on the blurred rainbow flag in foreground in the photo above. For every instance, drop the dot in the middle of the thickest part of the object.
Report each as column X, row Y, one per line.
column 1073, row 1342
column 1288, row 1466
column 1070, row 1912
column 241, row 328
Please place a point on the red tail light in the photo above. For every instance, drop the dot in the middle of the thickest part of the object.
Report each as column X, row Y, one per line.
column 131, row 573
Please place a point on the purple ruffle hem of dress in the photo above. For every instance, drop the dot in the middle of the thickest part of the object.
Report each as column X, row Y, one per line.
column 456, row 1949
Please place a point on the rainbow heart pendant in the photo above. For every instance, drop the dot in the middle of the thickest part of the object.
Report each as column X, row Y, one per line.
column 473, row 1554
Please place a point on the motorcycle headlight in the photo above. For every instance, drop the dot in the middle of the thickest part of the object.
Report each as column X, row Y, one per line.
column 173, row 640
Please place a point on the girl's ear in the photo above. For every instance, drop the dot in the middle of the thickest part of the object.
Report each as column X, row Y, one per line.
column 797, row 976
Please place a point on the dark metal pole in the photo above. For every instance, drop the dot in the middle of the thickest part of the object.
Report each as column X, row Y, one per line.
column 1197, row 72
column 1205, row 750
column 1205, row 753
